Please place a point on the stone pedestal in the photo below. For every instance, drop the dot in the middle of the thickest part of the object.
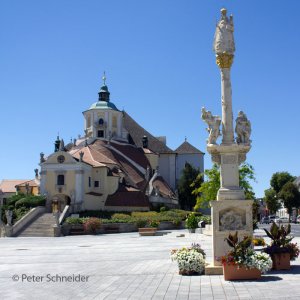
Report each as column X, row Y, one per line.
column 228, row 216
column 56, row 231
column 8, row 230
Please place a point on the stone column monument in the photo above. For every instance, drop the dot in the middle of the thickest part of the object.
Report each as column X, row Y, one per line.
column 231, row 211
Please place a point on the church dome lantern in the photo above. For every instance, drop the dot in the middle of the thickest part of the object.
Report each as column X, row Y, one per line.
column 104, row 92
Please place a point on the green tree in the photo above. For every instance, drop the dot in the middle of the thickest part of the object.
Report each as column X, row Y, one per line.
column 290, row 196
column 271, row 200
column 208, row 190
column 279, row 179
column 187, row 199
column 277, row 182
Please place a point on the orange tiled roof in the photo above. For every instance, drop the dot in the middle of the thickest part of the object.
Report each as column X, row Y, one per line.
column 9, row 185
column 31, row 183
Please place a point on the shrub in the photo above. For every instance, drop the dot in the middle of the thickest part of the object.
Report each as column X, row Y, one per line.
column 11, row 201
column 144, row 214
column 74, row 221
column 20, row 212
column 152, row 223
column 181, row 213
column 141, row 223
column 30, row 202
column 176, row 222
column 163, row 209
column 91, row 225
column 191, row 221
column 121, row 216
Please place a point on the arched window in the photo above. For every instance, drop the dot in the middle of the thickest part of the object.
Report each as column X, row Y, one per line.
column 101, row 122
column 60, row 179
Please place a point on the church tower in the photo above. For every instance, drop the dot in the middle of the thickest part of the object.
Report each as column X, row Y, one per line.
column 103, row 120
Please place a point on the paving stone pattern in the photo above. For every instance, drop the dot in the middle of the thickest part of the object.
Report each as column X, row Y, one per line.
column 124, row 266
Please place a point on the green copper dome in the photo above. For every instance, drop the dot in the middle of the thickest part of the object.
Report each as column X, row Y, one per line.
column 103, row 105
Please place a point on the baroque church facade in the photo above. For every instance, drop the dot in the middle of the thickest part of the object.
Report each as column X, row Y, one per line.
column 117, row 165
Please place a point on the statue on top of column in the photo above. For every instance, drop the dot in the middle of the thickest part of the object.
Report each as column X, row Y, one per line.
column 224, row 41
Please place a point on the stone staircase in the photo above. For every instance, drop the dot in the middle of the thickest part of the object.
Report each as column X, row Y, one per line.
column 40, row 226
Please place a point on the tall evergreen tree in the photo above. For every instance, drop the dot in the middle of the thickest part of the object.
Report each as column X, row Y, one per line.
column 187, row 200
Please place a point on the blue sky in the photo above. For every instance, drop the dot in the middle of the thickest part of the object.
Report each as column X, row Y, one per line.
column 160, row 68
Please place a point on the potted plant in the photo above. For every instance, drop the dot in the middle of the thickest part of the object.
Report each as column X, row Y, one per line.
column 149, row 228
column 242, row 262
column 281, row 249
column 190, row 260
column 191, row 222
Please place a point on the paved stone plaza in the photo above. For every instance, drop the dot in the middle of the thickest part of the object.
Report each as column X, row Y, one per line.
column 123, row 266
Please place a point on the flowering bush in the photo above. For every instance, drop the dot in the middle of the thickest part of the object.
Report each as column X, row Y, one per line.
column 243, row 255
column 92, row 224
column 190, row 260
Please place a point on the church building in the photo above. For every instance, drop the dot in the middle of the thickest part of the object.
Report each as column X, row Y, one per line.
column 117, row 165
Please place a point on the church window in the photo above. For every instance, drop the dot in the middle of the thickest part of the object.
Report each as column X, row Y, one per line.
column 96, row 184
column 101, row 122
column 89, row 181
column 60, row 159
column 60, row 179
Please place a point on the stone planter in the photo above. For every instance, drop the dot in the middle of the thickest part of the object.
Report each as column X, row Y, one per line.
column 281, row 261
column 76, row 229
column 166, row 225
column 234, row 272
column 148, row 231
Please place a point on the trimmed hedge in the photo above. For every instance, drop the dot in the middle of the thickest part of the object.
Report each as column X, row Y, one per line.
column 30, row 202
column 139, row 218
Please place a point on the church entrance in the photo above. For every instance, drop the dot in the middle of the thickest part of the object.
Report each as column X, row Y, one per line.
column 59, row 202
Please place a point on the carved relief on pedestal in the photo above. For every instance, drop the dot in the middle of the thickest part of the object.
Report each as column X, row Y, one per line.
column 232, row 219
